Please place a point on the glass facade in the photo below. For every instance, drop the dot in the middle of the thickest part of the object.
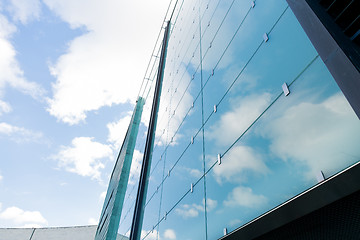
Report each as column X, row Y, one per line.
column 231, row 143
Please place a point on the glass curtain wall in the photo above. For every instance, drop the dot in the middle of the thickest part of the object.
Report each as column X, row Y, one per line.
column 231, row 141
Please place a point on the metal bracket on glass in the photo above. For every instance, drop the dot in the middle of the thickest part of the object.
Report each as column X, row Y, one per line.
column 285, row 89
column 192, row 187
column 219, row 158
column 192, row 140
column 165, row 216
column 215, row 108
column 212, row 72
column 253, row 4
column 192, row 105
column 210, row 45
column 266, row 37
column 225, row 231
column 320, row 176
column 169, row 173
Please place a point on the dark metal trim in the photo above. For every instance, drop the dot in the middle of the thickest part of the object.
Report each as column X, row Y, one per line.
column 322, row 194
column 137, row 221
column 345, row 73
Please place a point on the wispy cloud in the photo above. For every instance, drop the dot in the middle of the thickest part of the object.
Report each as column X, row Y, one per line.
column 4, row 107
column 234, row 122
column 244, row 197
column 84, row 157
column 24, row 10
column 191, row 211
column 20, row 134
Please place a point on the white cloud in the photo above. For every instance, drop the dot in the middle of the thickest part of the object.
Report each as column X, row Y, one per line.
column 152, row 235
column 238, row 163
column 11, row 73
column 24, row 10
column 20, row 134
column 187, row 211
column 117, row 131
column 4, row 107
column 19, row 216
column 191, row 211
column 175, row 103
column 235, row 222
column 194, row 172
column 244, row 197
column 169, row 234
column 102, row 196
column 32, row 225
column 92, row 221
column 323, row 136
column 105, row 65
column 233, row 123
column 1, row 178
column 84, row 157
column 135, row 166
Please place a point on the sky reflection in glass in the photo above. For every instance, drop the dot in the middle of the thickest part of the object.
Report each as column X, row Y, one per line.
column 272, row 146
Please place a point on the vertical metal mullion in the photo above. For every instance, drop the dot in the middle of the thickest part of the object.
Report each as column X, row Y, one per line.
column 137, row 221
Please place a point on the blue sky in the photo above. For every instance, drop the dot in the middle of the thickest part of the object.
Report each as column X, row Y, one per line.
column 70, row 72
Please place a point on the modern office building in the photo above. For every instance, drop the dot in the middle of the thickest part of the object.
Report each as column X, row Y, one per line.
column 258, row 130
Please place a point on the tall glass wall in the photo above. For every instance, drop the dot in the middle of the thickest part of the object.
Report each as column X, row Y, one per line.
column 230, row 144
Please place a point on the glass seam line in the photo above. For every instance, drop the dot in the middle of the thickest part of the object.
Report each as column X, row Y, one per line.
column 202, row 123
column 216, row 63
column 211, row 40
column 266, row 109
column 209, row 76
column 237, row 77
column 188, row 64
